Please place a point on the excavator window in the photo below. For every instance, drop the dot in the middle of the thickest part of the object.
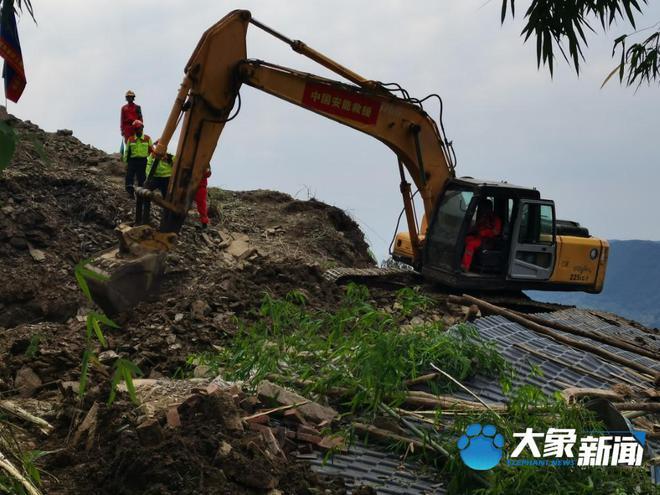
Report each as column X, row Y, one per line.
column 450, row 218
column 536, row 224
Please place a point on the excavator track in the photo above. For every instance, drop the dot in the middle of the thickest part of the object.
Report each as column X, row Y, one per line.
column 401, row 277
column 395, row 276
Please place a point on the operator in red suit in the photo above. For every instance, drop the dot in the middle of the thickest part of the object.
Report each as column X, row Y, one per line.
column 488, row 225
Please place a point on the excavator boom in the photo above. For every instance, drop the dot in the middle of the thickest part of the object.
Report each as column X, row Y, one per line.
column 205, row 100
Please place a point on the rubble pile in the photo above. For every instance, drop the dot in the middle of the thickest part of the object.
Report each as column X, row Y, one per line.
column 60, row 201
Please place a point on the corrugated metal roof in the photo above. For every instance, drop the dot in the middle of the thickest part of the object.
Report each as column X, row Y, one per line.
column 383, row 471
column 562, row 366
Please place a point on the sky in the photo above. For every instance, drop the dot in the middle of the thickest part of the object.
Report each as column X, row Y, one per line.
column 593, row 151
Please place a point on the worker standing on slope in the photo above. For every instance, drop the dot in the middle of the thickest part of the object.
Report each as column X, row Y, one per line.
column 201, row 197
column 158, row 177
column 129, row 114
column 136, row 151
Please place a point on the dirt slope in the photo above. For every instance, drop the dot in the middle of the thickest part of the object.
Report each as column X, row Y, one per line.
column 60, row 201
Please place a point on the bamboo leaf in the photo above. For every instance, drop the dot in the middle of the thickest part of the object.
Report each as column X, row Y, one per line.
column 106, row 321
column 128, row 378
column 609, row 76
column 89, row 324
column 99, row 332
column 82, row 283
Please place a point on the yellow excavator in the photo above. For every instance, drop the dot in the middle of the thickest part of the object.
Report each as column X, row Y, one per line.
column 532, row 250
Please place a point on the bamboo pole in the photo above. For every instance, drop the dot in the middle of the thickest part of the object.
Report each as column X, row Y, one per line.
column 610, row 356
column 15, row 473
column 605, row 339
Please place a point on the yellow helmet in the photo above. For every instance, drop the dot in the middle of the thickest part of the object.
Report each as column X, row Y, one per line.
column 130, row 93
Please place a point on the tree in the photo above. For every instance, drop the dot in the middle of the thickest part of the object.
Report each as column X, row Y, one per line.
column 561, row 25
column 27, row 4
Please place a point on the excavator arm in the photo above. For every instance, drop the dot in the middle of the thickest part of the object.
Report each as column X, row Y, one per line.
column 206, row 100
column 210, row 88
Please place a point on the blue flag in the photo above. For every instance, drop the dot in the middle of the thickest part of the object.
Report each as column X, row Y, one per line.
column 10, row 49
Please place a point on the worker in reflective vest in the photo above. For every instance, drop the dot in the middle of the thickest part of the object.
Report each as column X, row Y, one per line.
column 158, row 172
column 136, row 152
column 137, row 149
column 488, row 225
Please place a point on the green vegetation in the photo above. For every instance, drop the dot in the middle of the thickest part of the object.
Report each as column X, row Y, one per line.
column 125, row 370
column 368, row 354
column 529, row 407
column 563, row 27
column 360, row 349
column 23, row 461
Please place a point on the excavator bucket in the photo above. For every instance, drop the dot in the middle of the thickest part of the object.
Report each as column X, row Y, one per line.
column 119, row 278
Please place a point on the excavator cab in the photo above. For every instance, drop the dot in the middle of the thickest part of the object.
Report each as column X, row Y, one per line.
column 530, row 251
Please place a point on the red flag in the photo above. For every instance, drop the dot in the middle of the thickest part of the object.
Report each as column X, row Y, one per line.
column 10, row 49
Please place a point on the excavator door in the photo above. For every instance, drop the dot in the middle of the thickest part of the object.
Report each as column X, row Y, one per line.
column 533, row 241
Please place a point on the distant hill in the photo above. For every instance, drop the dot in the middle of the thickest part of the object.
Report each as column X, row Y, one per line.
column 632, row 284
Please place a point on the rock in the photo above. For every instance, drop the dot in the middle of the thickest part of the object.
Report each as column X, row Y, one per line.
column 173, row 418
column 64, row 132
column 7, row 210
column 207, row 239
column 3, row 114
column 178, row 317
column 274, row 230
column 199, row 309
column 150, row 433
column 37, row 254
column 26, row 382
column 202, row 371
column 312, row 410
column 416, row 321
column 108, row 357
column 224, row 449
column 240, row 247
column 74, row 387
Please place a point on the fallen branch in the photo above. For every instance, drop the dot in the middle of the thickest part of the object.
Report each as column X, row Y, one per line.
column 268, row 412
column 466, row 389
column 16, row 474
column 43, row 425
column 415, row 429
column 419, row 398
column 421, row 379
column 605, row 339
column 88, row 425
column 387, row 435
column 610, row 356
column 638, row 406
column 572, row 393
